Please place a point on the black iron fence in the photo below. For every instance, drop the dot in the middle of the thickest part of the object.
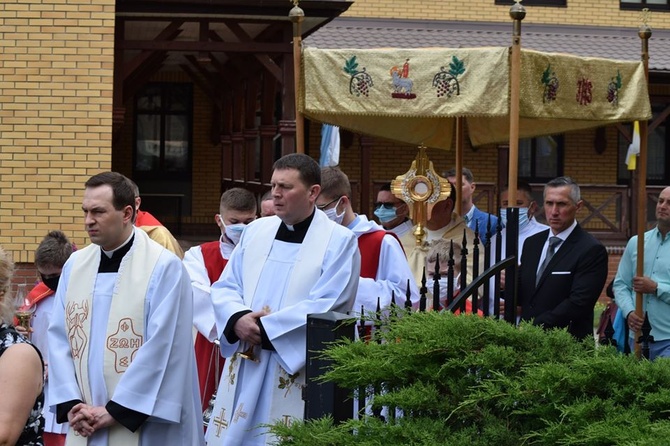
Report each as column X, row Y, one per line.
column 484, row 298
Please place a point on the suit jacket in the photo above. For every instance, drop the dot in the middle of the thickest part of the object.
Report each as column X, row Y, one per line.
column 570, row 285
column 480, row 219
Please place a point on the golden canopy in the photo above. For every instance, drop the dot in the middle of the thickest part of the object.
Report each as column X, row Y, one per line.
column 414, row 95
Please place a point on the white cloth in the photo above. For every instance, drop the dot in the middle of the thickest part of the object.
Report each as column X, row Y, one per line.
column 161, row 380
column 392, row 273
column 402, row 229
column 532, row 228
column 203, row 310
column 264, row 273
column 39, row 338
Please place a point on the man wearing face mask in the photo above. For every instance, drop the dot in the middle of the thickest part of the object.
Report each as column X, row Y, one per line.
column 50, row 256
column 384, row 269
column 392, row 212
column 528, row 226
column 204, row 264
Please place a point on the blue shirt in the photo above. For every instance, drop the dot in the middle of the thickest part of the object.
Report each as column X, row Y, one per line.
column 656, row 267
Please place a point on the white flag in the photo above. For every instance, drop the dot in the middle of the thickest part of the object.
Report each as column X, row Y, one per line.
column 633, row 148
column 330, row 145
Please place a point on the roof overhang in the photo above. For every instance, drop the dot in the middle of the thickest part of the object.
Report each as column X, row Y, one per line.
column 592, row 41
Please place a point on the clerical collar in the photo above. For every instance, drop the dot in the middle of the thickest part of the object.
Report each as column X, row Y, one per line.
column 110, row 261
column 294, row 233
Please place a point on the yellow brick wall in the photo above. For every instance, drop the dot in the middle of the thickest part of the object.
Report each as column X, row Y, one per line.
column 578, row 12
column 56, row 81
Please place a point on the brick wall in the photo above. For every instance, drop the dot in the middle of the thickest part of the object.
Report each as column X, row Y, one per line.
column 56, row 80
column 578, row 12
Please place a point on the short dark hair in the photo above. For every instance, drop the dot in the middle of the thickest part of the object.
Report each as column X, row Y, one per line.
column 386, row 187
column 334, row 183
column 467, row 173
column 238, row 199
column 267, row 196
column 53, row 250
column 122, row 189
column 575, row 194
column 309, row 170
column 522, row 186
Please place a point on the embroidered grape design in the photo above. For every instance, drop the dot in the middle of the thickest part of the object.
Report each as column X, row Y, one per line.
column 551, row 85
column 613, row 89
column 446, row 82
column 360, row 82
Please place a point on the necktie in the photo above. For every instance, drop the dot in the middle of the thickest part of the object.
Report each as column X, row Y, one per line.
column 553, row 243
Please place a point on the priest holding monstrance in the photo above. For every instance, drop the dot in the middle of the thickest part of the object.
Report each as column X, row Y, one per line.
column 285, row 267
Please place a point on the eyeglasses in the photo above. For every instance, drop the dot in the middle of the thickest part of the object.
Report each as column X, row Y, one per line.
column 321, row 207
column 385, row 205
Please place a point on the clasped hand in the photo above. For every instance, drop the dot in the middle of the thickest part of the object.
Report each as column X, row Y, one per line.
column 86, row 419
column 247, row 329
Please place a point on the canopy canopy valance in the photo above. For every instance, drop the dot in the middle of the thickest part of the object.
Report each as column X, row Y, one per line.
column 414, row 95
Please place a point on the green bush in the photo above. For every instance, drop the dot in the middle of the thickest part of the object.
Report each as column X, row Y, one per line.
column 466, row 380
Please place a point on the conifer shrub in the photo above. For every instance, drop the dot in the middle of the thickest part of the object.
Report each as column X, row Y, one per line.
column 467, row 380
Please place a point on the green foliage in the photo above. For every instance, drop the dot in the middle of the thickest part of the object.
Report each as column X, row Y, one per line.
column 456, row 66
column 546, row 75
column 466, row 380
column 351, row 66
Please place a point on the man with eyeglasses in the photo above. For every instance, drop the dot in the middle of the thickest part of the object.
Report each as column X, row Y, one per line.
column 384, row 269
column 392, row 212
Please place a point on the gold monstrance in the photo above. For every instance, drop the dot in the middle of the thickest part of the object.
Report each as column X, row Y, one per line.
column 421, row 187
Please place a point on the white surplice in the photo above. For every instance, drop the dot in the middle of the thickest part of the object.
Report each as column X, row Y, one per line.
column 392, row 272
column 161, row 380
column 290, row 280
column 40, row 324
column 203, row 311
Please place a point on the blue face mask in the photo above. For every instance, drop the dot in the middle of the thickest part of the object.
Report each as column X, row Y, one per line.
column 234, row 232
column 385, row 215
column 523, row 217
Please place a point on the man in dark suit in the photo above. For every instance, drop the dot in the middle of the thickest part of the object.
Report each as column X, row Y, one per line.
column 563, row 270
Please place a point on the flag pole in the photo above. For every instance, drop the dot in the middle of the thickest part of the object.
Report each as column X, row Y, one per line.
column 644, row 32
column 517, row 12
column 297, row 15
column 460, row 142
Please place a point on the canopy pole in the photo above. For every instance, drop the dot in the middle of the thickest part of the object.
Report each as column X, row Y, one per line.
column 517, row 12
column 459, row 166
column 645, row 33
column 297, row 15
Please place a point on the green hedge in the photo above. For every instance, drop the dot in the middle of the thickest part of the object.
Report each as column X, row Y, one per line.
column 466, row 380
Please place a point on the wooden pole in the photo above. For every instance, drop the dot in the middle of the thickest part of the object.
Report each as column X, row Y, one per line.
column 459, row 166
column 297, row 15
column 517, row 12
column 645, row 33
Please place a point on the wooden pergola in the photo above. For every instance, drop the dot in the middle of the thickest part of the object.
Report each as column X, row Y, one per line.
column 237, row 51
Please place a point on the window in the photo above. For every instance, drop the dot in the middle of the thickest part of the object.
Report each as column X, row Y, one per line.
column 658, row 163
column 163, row 121
column 534, row 2
column 651, row 4
column 541, row 159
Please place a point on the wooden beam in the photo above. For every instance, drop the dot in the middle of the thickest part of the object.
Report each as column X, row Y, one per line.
column 168, row 34
column 214, row 95
column 264, row 59
column 214, row 47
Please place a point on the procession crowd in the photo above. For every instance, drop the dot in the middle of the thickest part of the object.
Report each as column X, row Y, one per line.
column 132, row 339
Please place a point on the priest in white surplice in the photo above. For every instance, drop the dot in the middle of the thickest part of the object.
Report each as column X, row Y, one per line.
column 285, row 267
column 123, row 372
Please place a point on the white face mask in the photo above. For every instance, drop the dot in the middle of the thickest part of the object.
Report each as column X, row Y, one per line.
column 333, row 215
column 523, row 217
column 444, row 284
column 234, row 232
